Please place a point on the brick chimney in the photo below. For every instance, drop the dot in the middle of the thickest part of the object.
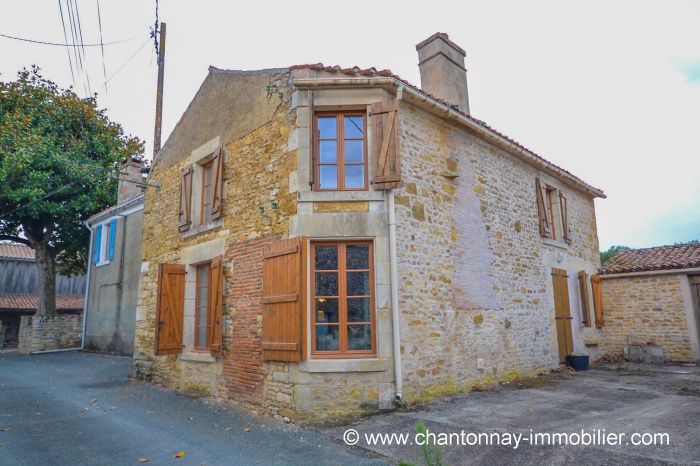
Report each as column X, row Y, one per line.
column 130, row 169
column 442, row 71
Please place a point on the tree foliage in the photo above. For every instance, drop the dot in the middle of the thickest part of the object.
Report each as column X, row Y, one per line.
column 612, row 251
column 58, row 154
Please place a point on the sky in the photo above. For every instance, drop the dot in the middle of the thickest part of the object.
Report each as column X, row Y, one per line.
column 607, row 90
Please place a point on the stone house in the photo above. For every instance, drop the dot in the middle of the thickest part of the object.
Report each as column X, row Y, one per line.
column 115, row 266
column 18, row 298
column 327, row 241
column 651, row 300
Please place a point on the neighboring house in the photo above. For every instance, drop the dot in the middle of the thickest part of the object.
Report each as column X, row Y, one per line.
column 326, row 241
column 115, row 266
column 18, row 292
column 651, row 300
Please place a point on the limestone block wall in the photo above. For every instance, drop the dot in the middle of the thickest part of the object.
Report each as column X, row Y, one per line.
column 48, row 333
column 476, row 292
column 649, row 309
column 256, row 204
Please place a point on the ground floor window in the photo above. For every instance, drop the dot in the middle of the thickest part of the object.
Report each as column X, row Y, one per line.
column 202, row 315
column 343, row 321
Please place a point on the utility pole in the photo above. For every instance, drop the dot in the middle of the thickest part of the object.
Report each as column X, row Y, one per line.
column 159, row 92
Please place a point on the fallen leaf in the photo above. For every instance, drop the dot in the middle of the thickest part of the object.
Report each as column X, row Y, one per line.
column 4, row 429
column 179, row 454
column 190, row 419
column 227, row 428
column 247, row 429
column 84, row 410
column 93, row 401
column 143, row 459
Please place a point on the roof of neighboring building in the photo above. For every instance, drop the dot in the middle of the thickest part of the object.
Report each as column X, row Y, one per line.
column 372, row 72
column 678, row 256
column 116, row 208
column 27, row 302
column 16, row 251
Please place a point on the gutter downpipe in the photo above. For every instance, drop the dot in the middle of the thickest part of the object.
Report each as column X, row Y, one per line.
column 395, row 314
column 85, row 303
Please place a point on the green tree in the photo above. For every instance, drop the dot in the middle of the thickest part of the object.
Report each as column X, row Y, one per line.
column 57, row 156
column 611, row 252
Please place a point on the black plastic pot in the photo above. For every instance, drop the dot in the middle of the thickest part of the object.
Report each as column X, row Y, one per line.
column 578, row 362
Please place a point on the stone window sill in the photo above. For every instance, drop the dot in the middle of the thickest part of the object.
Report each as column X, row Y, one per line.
column 340, row 196
column 344, row 365
column 101, row 263
column 198, row 229
column 196, row 357
column 556, row 243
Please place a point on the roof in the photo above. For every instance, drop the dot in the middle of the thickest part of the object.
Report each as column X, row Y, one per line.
column 373, row 72
column 113, row 209
column 678, row 256
column 27, row 302
column 16, row 251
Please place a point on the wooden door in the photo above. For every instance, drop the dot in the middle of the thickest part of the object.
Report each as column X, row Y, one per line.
column 562, row 313
column 171, row 305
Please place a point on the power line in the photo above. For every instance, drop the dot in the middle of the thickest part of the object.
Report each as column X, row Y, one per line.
column 66, row 44
column 65, row 38
column 82, row 47
column 126, row 62
column 99, row 22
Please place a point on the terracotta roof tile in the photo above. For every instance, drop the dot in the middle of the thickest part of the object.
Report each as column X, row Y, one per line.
column 27, row 302
column 679, row 256
column 371, row 72
column 16, row 251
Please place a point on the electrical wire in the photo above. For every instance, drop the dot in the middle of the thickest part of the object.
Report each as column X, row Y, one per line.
column 57, row 44
column 104, row 86
column 102, row 48
column 82, row 47
column 65, row 38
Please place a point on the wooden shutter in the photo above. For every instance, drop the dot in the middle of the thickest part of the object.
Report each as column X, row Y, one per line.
column 385, row 145
column 562, row 313
column 585, row 303
column 185, row 218
column 312, row 124
column 564, row 217
column 597, row 301
column 170, row 308
column 217, row 189
column 545, row 221
column 112, row 238
column 282, row 300
column 217, row 295
column 97, row 244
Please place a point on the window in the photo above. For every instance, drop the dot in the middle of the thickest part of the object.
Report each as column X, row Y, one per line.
column 104, row 238
column 205, row 211
column 340, row 145
column 343, row 321
column 202, row 315
column 551, row 194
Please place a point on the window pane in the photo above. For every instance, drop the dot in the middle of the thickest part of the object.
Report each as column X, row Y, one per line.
column 203, row 275
column 358, row 310
column 328, row 151
column 358, row 283
column 327, row 310
column 328, row 176
column 326, row 283
column 357, row 256
column 202, row 335
column 354, row 126
column 327, row 338
column 354, row 176
column 326, row 127
column 359, row 337
column 202, row 297
column 354, row 151
column 326, row 257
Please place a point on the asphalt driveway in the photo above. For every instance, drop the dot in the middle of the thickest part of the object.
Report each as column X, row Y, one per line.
column 81, row 408
column 620, row 398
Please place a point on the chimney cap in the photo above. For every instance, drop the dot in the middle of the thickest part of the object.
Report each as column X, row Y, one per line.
column 444, row 37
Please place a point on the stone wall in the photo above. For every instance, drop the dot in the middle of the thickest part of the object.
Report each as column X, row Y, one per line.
column 48, row 333
column 650, row 309
column 257, row 204
column 476, row 291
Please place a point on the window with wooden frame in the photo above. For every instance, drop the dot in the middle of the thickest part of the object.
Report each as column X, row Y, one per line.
column 342, row 289
column 340, row 151
column 203, row 308
column 551, row 195
column 205, row 210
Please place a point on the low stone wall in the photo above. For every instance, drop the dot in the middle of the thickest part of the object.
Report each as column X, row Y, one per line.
column 645, row 310
column 47, row 333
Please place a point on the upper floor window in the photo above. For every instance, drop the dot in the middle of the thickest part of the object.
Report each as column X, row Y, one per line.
column 340, row 146
column 205, row 210
column 553, row 211
column 104, row 237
